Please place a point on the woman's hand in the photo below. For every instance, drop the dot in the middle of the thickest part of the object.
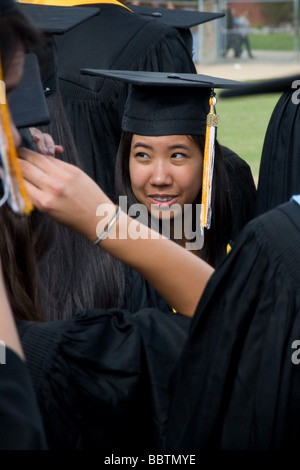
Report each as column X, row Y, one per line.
column 44, row 143
column 62, row 191
column 71, row 197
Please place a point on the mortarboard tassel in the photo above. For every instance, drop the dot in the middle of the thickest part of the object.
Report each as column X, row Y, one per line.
column 208, row 163
column 14, row 188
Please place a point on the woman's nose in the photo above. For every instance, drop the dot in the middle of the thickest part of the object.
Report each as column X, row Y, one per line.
column 161, row 174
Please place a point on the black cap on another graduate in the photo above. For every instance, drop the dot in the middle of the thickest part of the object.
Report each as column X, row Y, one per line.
column 56, row 19
column 180, row 19
column 162, row 103
column 276, row 85
column 53, row 20
column 27, row 103
column 7, row 6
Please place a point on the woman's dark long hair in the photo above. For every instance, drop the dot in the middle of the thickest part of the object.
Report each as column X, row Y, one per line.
column 19, row 266
column 16, row 242
column 75, row 274
column 217, row 237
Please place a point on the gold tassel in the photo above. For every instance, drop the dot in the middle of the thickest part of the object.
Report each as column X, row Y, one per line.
column 13, row 181
column 208, row 163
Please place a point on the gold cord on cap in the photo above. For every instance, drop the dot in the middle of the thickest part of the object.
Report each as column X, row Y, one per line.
column 208, row 163
column 13, row 182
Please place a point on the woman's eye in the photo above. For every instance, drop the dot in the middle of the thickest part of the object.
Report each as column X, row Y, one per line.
column 177, row 156
column 142, row 155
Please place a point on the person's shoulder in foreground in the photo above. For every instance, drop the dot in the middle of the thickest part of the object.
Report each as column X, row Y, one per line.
column 240, row 390
column 20, row 422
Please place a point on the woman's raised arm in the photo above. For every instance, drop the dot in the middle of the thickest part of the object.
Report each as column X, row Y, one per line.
column 72, row 198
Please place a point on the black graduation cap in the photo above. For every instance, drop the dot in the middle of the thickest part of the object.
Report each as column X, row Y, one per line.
column 28, row 102
column 6, row 6
column 276, row 85
column 53, row 20
column 182, row 20
column 160, row 103
column 56, row 19
column 179, row 19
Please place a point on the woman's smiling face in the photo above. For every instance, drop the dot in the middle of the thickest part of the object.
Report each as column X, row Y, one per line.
column 165, row 170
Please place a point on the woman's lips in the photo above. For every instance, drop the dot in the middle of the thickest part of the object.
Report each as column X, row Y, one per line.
column 164, row 201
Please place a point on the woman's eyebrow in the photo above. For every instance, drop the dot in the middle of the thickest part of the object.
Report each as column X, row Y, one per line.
column 141, row 144
column 170, row 147
column 178, row 146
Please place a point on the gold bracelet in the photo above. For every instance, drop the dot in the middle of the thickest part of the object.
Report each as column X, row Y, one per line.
column 108, row 226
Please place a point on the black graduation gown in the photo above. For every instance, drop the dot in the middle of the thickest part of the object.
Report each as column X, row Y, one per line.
column 21, row 425
column 279, row 173
column 242, row 190
column 236, row 386
column 101, row 378
column 140, row 294
column 115, row 39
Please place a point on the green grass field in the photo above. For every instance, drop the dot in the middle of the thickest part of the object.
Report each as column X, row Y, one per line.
column 243, row 124
column 272, row 42
column 243, row 121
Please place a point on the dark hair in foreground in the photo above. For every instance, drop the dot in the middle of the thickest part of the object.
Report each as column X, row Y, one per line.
column 16, row 240
column 19, row 265
column 75, row 274
column 217, row 237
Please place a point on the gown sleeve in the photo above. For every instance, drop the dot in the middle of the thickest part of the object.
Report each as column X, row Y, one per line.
column 140, row 294
column 235, row 386
column 279, row 172
column 102, row 377
column 21, row 425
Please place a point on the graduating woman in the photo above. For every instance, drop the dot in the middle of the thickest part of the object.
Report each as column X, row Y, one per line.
column 160, row 162
column 160, row 165
column 170, row 129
